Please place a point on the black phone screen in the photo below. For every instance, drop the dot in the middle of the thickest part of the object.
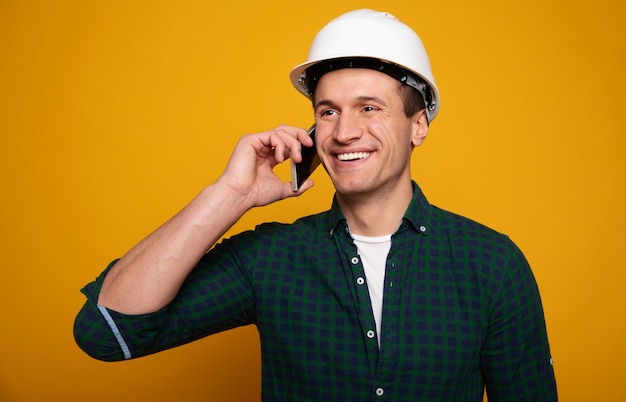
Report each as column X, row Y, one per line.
column 310, row 161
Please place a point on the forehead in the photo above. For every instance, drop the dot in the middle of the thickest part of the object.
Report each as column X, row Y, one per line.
column 347, row 80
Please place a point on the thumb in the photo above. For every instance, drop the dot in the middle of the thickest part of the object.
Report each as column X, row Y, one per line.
column 308, row 184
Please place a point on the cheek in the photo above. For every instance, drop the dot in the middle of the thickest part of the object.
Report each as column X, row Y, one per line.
column 401, row 148
column 321, row 146
column 323, row 134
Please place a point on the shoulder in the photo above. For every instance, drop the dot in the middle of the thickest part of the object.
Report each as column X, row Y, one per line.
column 272, row 249
column 277, row 234
column 481, row 258
column 303, row 226
column 465, row 230
column 443, row 225
column 477, row 245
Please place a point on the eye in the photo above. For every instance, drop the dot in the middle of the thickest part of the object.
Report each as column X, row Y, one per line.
column 369, row 109
column 327, row 113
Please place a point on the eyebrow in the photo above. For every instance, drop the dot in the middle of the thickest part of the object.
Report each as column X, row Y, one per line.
column 365, row 99
column 324, row 103
column 358, row 99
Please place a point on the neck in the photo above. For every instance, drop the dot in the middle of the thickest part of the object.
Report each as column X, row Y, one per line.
column 376, row 214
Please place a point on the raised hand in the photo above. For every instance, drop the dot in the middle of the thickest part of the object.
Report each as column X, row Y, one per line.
column 249, row 172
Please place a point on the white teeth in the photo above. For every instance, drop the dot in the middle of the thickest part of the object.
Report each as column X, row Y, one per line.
column 352, row 156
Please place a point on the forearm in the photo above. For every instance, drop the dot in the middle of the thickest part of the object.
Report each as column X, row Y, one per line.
column 149, row 276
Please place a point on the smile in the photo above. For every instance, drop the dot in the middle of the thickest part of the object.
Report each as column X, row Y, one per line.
column 352, row 156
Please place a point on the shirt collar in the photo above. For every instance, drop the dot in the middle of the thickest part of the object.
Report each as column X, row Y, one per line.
column 417, row 215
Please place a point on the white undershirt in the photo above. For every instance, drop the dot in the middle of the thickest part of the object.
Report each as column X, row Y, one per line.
column 373, row 252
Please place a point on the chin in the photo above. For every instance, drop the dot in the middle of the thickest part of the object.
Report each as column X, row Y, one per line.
column 352, row 187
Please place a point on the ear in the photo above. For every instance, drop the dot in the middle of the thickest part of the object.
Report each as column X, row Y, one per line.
column 420, row 128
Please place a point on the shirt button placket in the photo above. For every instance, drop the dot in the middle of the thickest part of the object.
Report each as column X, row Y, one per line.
column 371, row 334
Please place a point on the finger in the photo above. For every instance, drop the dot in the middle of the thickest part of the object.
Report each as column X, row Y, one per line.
column 284, row 143
column 305, row 138
column 308, row 183
column 294, row 138
column 271, row 143
column 279, row 152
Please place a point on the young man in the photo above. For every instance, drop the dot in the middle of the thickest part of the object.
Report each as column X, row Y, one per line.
column 383, row 297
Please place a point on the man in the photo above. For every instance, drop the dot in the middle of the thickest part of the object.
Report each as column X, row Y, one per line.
column 383, row 297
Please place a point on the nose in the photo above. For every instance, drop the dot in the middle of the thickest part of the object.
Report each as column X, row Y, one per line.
column 346, row 130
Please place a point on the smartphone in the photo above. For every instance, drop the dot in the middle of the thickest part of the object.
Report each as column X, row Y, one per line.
column 310, row 161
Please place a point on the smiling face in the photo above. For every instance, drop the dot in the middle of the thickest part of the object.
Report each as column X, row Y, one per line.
column 364, row 139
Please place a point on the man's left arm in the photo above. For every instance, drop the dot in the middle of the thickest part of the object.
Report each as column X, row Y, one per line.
column 516, row 360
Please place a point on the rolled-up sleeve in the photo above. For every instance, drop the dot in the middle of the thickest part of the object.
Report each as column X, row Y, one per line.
column 107, row 335
column 215, row 297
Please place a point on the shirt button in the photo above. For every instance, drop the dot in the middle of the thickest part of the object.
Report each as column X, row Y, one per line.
column 354, row 260
column 380, row 391
column 371, row 334
column 360, row 280
column 422, row 229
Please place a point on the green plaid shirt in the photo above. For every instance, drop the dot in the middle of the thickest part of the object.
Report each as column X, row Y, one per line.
column 461, row 311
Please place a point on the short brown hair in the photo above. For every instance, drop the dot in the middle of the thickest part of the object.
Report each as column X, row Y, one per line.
column 412, row 99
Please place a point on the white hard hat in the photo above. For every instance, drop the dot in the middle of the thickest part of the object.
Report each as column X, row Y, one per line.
column 369, row 39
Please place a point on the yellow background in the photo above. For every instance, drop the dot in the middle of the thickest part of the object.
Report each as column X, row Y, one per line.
column 113, row 114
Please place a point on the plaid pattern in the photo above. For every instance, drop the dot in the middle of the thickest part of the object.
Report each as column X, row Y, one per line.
column 461, row 312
